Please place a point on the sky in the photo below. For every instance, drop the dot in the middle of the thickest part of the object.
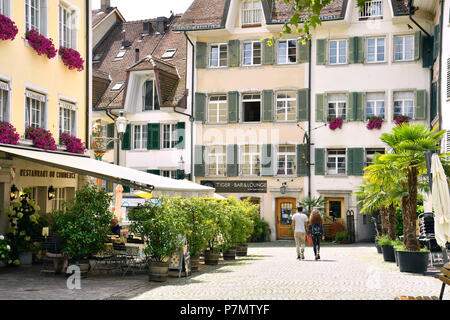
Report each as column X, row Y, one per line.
column 146, row 9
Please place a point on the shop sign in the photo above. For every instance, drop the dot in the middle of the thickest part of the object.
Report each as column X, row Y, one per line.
column 238, row 186
column 46, row 174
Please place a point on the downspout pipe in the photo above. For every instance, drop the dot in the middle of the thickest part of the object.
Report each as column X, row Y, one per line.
column 191, row 118
column 441, row 61
column 309, row 119
column 88, row 71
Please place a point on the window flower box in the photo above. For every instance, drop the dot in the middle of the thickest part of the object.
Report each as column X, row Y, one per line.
column 8, row 134
column 8, row 29
column 71, row 58
column 73, row 144
column 375, row 123
column 401, row 119
column 335, row 123
column 42, row 138
column 41, row 44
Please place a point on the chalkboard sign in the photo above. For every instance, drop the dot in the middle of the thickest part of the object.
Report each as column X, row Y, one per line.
column 181, row 261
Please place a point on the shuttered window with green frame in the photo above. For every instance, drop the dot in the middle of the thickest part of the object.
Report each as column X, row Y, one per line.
column 355, row 161
column 232, row 160
column 233, row 106
column 356, row 50
column 319, row 161
column 268, row 52
column 153, row 136
column 303, row 51
column 356, row 106
column 321, row 110
column 234, row 53
column 302, row 104
column 321, row 51
column 200, row 107
column 302, row 160
column 126, row 140
column 420, row 104
column 267, row 105
column 181, row 132
column 201, row 55
column 199, row 161
column 267, row 160
column 110, row 127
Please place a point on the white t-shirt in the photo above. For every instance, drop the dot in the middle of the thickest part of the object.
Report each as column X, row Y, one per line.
column 300, row 219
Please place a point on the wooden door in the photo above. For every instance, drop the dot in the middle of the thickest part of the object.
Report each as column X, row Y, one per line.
column 334, row 207
column 285, row 208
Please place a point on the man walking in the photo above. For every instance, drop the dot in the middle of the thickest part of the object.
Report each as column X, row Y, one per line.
column 299, row 226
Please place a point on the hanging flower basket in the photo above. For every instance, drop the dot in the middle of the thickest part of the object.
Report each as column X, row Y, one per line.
column 42, row 138
column 375, row 123
column 8, row 29
column 72, row 143
column 401, row 119
column 71, row 58
column 335, row 123
column 8, row 134
column 41, row 44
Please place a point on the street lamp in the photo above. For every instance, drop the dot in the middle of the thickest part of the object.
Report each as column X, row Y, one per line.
column 51, row 193
column 283, row 188
column 180, row 172
column 121, row 124
column 14, row 193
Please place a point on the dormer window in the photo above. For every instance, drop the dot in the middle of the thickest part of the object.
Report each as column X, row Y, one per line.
column 372, row 9
column 169, row 53
column 97, row 57
column 149, row 96
column 251, row 13
column 117, row 86
column 121, row 53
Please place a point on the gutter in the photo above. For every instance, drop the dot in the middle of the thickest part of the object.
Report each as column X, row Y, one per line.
column 191, row 118
column 88, row 71
column 439, row 85
column 309, row 118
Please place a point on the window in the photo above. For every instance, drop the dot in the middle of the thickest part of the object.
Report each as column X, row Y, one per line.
column 169, row 173
column 251, row 12
column 287, row 51
column 404, row 48
column 217, row 109
column 67, row 117
column 336, row 162
column 149, row 96
column 35, row 110
column 252, row 53
column 286, row 160
column 217, row 165
column 121, row 53
column 169, row 53
column 5, row 8
column 218, row 56
column 60, row 198
column 66, row 17
column 4, row 101
column 338, row 51
column 169, row 137
column 375, row 50
column 97, row 57
column 448, row 78
column 286, row 101
column 140, row 137
column 337, row 105
column 33, row 15
column 250, row 159
column 251, row 105
column 375, row 105
column 404, row 104
column 370, row 153
column 117, row 86
column 372, row 9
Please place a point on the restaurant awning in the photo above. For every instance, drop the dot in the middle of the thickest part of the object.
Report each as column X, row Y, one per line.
column 122, row 175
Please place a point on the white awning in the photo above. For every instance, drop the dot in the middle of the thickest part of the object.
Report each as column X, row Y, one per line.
column 103, row 170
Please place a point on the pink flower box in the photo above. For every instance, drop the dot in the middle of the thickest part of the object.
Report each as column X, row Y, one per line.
column 8, row 29
column 71, row 58
column 375, row 123
column 41, row 44
column 42, row 138
column 335, row 123
column 8, row 134
column 401, row 119
column 72, row 143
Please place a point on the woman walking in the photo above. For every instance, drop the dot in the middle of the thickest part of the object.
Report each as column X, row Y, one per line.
column 315, row 231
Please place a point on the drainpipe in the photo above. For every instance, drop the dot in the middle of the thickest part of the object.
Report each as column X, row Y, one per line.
column 88, row 70
column 309, row 119
column 439, row 85
column 191, row 118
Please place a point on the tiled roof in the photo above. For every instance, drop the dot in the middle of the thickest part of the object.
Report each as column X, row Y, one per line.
column 400, row 7
column 99, row 14
column 154, row 44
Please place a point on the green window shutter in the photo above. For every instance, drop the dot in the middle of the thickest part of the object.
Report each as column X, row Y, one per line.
column 320, row 108
column 267, row 160
column 126, row 140
column 154, row 172
column 110, row 134
column 436, row 39
column 360, row 50
column 355, row 161
column 420, row 105
column 267, row 101
column 360, row 106
column 319, row 162
column 233, row 106
column 232, row 160
column 352, row 50
column 350, row 161
column 321, row 54
column 233, row 53
column 153, row 136
column 302, row 52
column 268, row 52
column 427, row 52
column 200, row 107
column 201, row 56
column 302, row 104
column 417, row 44
column 433, row 101
column 302, row 160
column 181, row 132
column 199, row 162
column 355, row 106
column 126, row 189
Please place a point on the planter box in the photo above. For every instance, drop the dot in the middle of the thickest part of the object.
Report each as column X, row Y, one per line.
column 158, row 271
column 212, row 257
column 388, row 253
column 413, row 261
column 26, row 258
column 229, row 254
column 241, row 249
column 378, row 248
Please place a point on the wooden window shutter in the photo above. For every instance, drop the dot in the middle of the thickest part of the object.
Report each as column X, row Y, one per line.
column 420, row 104
column 200, row 107
column 267, row 157
column 110, row 134
column 233, row 106
column 436, row 39
column 268, row 52
column 233, row 53
column 201, row 55
column 352, row 50
column 427, row 52
column 355, row 161
column 302, row 104
column 360, row 47
column 303, row 51
column 199, row 162
column 321, row 54
column 356, row 106
column 267, row 100
column 319, row 162
column 417, row 45
column 181, row 132
column 153, row 136
column 433, row 101
column 126, row 140
column 302, row 160
column 154, row 172
column 232, row 160
column 320, row 108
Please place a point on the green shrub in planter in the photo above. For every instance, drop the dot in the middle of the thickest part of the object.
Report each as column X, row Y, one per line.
column 342, row 237
column 385, row 241
column 261, row 231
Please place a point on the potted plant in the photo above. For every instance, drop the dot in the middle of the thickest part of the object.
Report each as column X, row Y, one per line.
column 42, row 138
column 250, row 212
column 8, row 29
column 261, row 231
column 159, row 227
column 8, row 134
column 73, row 144
column 41, row 44
column 84, row 225
column 71, row 58
column 387, row 248
column 342, row 237
column 5, row 252
column 412, row 261
column 375, row 123
column 400, row 119
column 221, row 224
column 335, row 122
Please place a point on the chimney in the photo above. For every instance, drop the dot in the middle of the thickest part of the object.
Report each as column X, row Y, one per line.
column 161, row 25
column 136, row 55
column 105, row 4
column 147, row 28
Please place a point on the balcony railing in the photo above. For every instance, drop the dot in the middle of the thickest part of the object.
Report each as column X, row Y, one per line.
column 372, row 9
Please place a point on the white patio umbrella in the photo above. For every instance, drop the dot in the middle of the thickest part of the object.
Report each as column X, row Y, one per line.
column 441, row 202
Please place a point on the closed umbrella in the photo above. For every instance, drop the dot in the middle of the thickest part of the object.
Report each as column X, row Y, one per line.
column 118, row 204
column 441, row 202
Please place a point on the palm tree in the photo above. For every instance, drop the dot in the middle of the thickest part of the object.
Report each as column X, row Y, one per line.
column 409, row 144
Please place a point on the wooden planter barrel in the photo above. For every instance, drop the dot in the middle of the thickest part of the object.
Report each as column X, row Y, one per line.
column 195, row 260
column 212, row 257
column 241, row 249
column 158, row 271
column 229, row 254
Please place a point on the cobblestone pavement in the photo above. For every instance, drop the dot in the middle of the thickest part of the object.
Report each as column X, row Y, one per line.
column 270, row 271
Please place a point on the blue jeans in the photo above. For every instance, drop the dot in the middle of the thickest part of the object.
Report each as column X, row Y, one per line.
column 316, row 244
